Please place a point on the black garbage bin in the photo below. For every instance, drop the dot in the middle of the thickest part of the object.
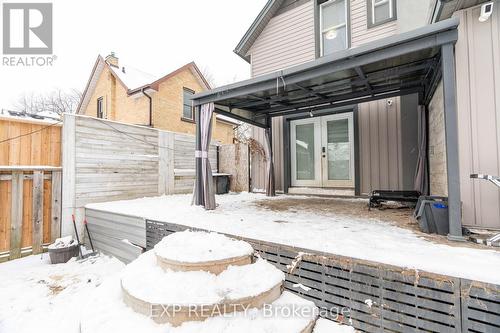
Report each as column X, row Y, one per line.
column 431, row 213
column 221, row 183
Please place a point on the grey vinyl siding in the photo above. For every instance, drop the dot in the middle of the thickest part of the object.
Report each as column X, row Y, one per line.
column 287, row 40
column 478, row 89
column 360, row 33
column 381, row 163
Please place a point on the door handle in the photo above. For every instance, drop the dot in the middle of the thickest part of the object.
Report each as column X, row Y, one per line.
column 323, row 151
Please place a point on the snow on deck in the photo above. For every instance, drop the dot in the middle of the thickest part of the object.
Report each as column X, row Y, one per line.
column 360, row 237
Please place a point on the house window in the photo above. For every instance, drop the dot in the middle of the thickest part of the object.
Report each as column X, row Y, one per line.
column 187, row 109
column 380, row 12
column 100, row 108
column 333, row 26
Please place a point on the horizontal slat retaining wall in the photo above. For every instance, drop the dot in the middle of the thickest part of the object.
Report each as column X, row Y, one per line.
column 481, row 309
column 108, row 161
column 114, row 163
column 109, row 232
column 402, row 300
column 184, row 163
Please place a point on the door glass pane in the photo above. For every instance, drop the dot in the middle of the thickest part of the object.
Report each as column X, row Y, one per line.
column 333, row 14
column 339, row 150
column 304, row 144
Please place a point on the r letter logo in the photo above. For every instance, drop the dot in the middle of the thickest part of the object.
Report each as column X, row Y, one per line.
column 27, row 28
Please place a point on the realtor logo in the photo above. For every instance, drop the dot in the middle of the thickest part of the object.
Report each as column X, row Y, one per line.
column 27, row 28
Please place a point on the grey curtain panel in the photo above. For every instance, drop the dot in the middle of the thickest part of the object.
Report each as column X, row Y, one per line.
column 204, row 194
column 270, row 189
column 421, row 175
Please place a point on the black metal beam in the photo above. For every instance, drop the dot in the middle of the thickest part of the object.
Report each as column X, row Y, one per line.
column 348, row 96
column 433, row 81
column 327, row 87
column 266, row 101
column 238, row 117
column 451, row 137
column 350, row 102
column 311, row 91
column 362, row 75
column 323, row 66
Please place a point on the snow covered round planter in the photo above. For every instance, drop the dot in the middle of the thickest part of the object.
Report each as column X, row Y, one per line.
column 62, row 250
column 176, row 297
column 201, row 251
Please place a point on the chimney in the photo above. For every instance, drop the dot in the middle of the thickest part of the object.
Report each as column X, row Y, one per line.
column 112, row 59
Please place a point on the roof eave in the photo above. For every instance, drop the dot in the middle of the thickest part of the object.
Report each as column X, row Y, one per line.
column 430, row 30
column 244, row 45
column 242, row 56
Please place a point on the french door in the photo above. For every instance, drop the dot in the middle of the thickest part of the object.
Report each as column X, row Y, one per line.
column 322, row 151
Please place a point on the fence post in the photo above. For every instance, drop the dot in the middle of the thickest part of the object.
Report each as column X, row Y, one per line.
column 166, row 162
column 55, row 225
column 166, row 169
column 69, row 171
column 37, row 213
column 16, row 215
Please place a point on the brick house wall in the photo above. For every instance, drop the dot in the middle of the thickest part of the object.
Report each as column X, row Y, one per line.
column 167, row 104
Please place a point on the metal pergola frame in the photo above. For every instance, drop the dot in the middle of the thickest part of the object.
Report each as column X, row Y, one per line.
column 408, row 63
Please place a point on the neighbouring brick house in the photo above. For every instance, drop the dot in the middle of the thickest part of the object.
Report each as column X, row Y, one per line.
column 125, row 94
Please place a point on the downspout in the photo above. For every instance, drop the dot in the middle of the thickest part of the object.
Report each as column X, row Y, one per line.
column 150, row 106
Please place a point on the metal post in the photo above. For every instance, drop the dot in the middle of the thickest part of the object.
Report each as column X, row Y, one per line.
column 269, row 123
column 451, row 135
column 199, row 199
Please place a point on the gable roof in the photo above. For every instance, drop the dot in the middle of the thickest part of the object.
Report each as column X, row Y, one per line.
column 257, row 27
column 132, row 79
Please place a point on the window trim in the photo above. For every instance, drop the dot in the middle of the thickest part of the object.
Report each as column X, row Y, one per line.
column 370, row 18
column 192, row 92
column 100, row 102
column 321, row 29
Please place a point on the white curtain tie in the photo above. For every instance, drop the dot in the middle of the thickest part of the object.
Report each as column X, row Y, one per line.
column 200, row 154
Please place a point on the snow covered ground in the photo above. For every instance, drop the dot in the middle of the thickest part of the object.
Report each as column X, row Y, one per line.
column 358, row 237
column 38, row 297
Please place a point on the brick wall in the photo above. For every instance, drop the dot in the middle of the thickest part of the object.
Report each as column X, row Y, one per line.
column 167, row 105
column 437, row 145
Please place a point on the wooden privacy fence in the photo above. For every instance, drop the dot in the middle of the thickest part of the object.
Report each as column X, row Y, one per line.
column 36, row 142
column 374, row 297
column 30, row 203
column 30, row 209
column 106, row 161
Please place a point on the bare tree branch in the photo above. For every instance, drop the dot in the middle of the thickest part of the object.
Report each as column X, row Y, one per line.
column 209, row 76
column 57, row 101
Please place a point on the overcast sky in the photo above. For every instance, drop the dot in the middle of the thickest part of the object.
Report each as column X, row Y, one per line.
column 154, row 36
